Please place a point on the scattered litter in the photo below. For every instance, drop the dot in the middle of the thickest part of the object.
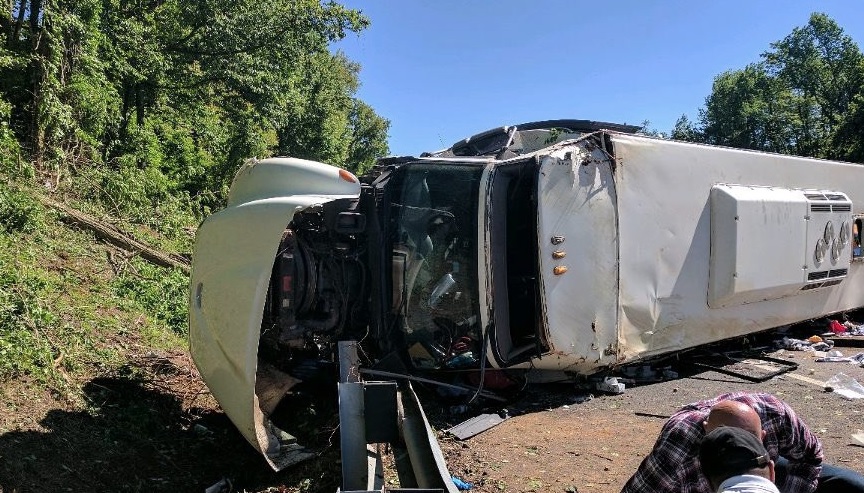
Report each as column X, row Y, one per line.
column 858, row 359
column 461, row 485
column 853, row 329
column 752, row 368
column 836, row 327
column 647, row 374
column 610, row 385
column 845, row 385
column 642, row 373
column 858, row 439
column 853, row 337
column 791, row 344
column 475, row 425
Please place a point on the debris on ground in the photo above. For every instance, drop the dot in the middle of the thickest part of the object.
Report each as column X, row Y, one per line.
column 836, row 327
column 644, row 374
column 610, row 385
column 579, row 399
column 845, row 329
column 745, row 365
column 791, row 344
column 853, row 329
column 845, row 385
column 837, row 357
column 461, row 485
column 475, row 425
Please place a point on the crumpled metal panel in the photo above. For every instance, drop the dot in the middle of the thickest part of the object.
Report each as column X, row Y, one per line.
column 577, row 231
column 231, row 268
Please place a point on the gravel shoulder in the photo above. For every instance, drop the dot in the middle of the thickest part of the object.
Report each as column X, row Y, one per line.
column 596, row 445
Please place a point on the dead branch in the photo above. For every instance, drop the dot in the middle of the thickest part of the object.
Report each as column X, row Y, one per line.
column 110, row 233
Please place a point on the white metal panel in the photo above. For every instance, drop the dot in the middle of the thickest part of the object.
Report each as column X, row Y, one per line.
column 663, row 192
column 577, row 205
column 285, row 176
column 829, row 245
column 231, row 268
column 758, row 239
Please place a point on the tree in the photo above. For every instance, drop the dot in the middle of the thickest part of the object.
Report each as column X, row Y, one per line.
column 686, row 130
column 848, row 141
column 802, row 98
column 368, row 137
column 176, row 94
column 749, row 109
column 645, row 128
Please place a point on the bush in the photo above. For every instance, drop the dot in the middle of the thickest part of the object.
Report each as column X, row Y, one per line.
column 22, row 322
column 161, row 293
column 18, row 211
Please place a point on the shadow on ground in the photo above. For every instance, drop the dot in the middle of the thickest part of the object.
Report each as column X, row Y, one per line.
column 146, row 430
column 137, row 437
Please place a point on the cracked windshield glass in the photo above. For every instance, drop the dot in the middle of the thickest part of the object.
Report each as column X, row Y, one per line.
column 435, row 292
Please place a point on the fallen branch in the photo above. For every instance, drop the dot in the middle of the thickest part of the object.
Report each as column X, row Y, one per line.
column 116, row 237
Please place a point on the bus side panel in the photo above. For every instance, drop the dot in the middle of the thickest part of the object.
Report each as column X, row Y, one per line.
column 664, row 219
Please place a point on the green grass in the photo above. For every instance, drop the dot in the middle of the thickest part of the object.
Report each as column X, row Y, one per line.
column 94, row 372
column 72, row 306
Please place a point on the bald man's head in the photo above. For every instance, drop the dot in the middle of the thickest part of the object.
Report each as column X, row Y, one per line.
column 736, row 414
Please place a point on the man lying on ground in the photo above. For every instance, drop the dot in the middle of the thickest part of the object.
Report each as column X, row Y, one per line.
column 673, row 464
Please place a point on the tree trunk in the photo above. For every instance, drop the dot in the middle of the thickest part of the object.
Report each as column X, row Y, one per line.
column 16, row 29
column 38, row 55
column 35, row 12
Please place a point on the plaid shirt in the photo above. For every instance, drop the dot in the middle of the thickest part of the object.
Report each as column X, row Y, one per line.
column 673, row 464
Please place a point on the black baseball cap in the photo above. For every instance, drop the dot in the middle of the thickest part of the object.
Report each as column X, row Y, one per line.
column 728, row 451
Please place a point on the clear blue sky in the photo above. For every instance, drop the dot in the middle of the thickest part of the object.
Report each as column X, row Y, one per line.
column 442, row 70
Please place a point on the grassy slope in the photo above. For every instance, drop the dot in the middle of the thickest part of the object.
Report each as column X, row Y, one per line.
column 97, row 390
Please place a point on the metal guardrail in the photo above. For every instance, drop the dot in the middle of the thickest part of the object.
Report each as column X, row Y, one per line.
column 376, row 412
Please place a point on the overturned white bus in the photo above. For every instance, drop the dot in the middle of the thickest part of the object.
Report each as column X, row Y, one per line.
column 565, row 247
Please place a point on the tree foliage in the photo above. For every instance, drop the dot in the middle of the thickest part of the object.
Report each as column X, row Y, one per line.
column 804, row 97
column 174, row 95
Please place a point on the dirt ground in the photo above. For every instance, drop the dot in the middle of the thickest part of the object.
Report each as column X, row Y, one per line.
column 156, row 428
column 596, row 445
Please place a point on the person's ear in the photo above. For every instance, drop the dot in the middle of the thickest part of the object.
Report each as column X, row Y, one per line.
column 771, row 470
column 762, row 438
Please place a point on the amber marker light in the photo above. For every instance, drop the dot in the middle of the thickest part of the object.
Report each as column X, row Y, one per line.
column 347, row 176
column 559, row 254
column 559, row 269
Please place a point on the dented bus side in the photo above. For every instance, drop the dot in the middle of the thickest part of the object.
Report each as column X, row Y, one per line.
column 563, row 248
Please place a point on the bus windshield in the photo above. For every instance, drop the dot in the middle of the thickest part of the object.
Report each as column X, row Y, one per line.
column 434, row 233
